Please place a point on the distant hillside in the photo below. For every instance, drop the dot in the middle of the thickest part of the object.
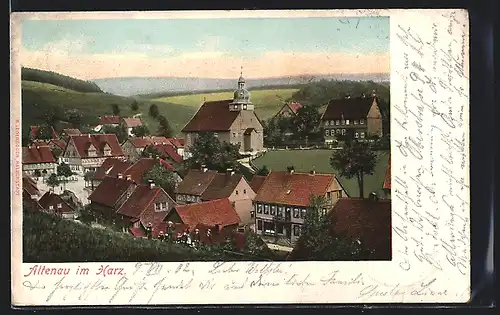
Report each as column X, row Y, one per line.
column 42, row 76
column 38, row 99
column 136, row 86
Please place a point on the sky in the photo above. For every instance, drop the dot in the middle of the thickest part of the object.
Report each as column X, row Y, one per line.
column 212, row 48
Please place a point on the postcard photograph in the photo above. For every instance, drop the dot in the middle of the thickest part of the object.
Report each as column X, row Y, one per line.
column 239, row 144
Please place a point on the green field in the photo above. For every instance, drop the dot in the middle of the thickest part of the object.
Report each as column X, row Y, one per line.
column 267, row 102
column 36, row 97
column 306, row 160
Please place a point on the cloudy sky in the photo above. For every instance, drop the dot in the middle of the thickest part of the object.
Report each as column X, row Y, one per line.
column 214, row 48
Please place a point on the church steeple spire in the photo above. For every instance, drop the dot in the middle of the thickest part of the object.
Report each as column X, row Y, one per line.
column 241, row 99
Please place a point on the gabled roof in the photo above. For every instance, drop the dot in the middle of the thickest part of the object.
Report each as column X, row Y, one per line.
column 109, row 120
column 281, row 187
column 195, row 182
column 110, row 190
column 257, row 181
column 210, row 213
column 387, row 180
column 111, row 167
column 36, row 129
column 30, row 204
column 72, row 131
column 177, row 142
column 140, row 199
column 139, row 168
column 99, row 141
column 37, row 154
column 51, row 199
column 212, row 116
column 60, row 143
column 131, row 122
column 221, row 186
column 348, row 108
column 366, row 220
column 142, row 142
column 30, row 186
column 168, row 150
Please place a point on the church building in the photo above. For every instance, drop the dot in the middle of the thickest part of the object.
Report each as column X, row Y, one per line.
column 232, row 121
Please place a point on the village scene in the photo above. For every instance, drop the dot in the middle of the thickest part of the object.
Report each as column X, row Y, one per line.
column 245, row 159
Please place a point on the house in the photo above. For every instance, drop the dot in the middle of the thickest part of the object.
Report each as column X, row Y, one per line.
column 178, row 143
column 130, row 123
column 66, row 132
column 233, row 121
column 38, row 161
column 137, row 170
column 147, row 205
column 110, row 167
column 283, row 201
column 132, row 148
column 30, row 187
column 110, row 195
column 194, row 185
column 288, row 109
column 256, row 182
column 218, row 213
column 53, row 203
column 387, row 181
column 35, row 132
column 30, row 203
column 168, row 151
column 109, row 121
column 367, row 221
column 87, row 152
column 359, row 116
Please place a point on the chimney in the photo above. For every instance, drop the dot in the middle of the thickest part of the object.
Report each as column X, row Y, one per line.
column 290, row 169
column 151, row 184
column 129, row 177
column 120, row 176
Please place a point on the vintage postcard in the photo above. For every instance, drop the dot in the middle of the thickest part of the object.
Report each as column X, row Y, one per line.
column 240, row 157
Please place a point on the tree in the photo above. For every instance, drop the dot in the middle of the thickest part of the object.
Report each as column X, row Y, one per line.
column 306, row 122
column 153, row 110
column 56, row 151
column 140, row 131
column 161, row 177
column 228, row 157
column 51, row 115
column 53, row 181
column 75, row 118
column 44, row 133
column 116, row 109
column 355, row 159
column 263, row 171
column 151, row 152
column 164, row 129
column 272, row 134
column 207, row 150
column 89, row 177
column 65, row 171
column 134, row 106
column 317, row 240
column 121, row 133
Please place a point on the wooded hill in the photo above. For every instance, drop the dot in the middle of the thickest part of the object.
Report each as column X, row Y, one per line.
column 54, row 78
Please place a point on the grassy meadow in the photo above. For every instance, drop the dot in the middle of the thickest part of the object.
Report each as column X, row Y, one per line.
column 306, row 160
column 267, row 102
column 36, row 97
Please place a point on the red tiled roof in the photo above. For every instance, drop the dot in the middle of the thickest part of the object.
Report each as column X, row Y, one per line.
column 60, row 143
column 348, row 108
column 212, row 116
column 139, row 168
column 387, row 181
column 366, row 220
column 132, row 122
column 36, row 129
column 38, row 154
column 51, row 199
column 281, row 187
column 177, row 142
column 256, row 183
column 295, row 106
column 30, row 186
column 83, row 142
column 210, row 213
column 110, row 190
column 109, row 120
column 30, row 204
column 142, row 142
column 111, row 167
column 72, row 131
column 221, row 186
column 137, row 231
column 195, row 182
column 168, row 150
column 140, row 199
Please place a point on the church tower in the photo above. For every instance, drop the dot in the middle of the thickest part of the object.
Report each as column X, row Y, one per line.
column 241, row 98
